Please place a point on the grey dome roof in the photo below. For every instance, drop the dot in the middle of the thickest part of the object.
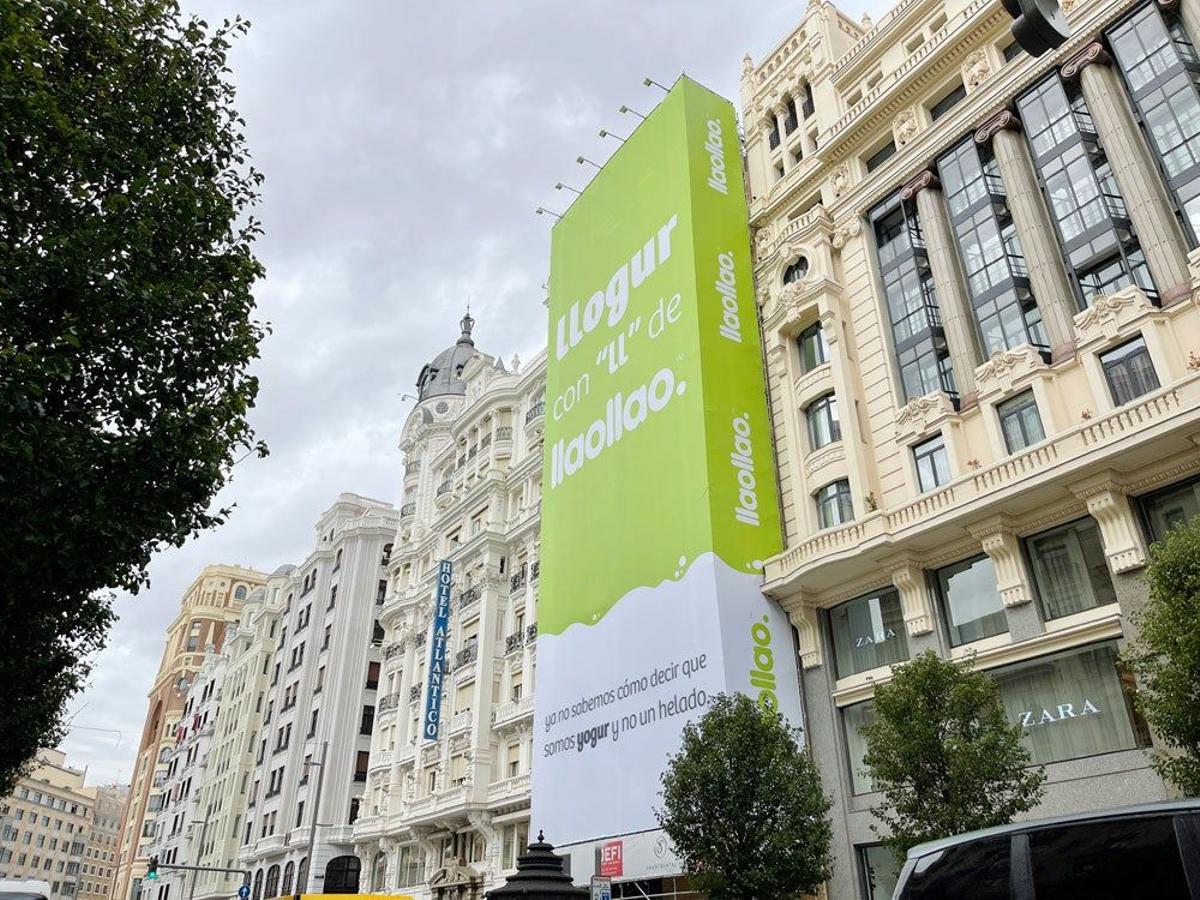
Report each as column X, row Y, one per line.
column 441, row 377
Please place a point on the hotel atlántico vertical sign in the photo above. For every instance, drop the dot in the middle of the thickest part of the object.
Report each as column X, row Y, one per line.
column 660, row 501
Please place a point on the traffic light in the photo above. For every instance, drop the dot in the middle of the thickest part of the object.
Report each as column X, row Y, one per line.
column 152, row 869
column 1038, row 25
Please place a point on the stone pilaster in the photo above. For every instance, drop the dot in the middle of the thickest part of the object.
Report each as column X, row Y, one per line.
column 1141, row 186
column 948, row 281
column 1047, row 277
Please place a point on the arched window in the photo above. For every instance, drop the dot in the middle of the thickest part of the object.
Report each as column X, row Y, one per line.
column 289, row 872
column 302, row 875
column 796, row 270
column 341, row 875
column 272, row 887
column 379, row 877
column 256, row 894
column 239, row 592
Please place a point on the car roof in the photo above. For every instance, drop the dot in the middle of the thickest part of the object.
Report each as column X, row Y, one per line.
column 1141, row 809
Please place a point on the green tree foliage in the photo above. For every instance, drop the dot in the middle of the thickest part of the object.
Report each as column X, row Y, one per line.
column 743, row 804
column 126, row 322
column 1166, row 656
column 944, row 755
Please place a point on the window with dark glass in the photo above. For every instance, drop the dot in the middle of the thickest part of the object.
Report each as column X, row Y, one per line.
column 796, row 270
column 834, row 506
column 856, row 718
column 1171, row 507
column 880, row 871
column 1069, row 569
column 998, row 281
column 932, row 462
column 917, row 335
column 1011, row 51
column 1072, row 704
column 977, row 869
column 1101, row 251
column 1160, row 68
column 1129, row 371
column 1020, row 422
column 792, row 119
column 868, row 632
column 773, row 137
column 813, row 349
column 823, row 425
column 1134, row 857
column 971, row 600
column 880, row 156
column 806, row 106
column 948, row 101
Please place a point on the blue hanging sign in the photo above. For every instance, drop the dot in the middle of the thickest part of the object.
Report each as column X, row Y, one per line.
column 437, row 651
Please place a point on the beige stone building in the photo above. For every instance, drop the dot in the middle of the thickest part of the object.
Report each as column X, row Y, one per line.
column 55, row 829
column 211, row 603
column 979, row 282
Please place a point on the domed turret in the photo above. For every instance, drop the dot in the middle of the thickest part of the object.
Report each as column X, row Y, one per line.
column 443, row 376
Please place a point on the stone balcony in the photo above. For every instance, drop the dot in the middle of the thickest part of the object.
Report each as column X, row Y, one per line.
column 513, row 713
column 509, row 788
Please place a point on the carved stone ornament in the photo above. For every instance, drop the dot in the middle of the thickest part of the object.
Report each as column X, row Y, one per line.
column 924, row 180
column 905, row 127
column 1093, row 53
column 976, row 69
column 922, row 413
column 1005, row 120
column 1068, row 5
column 1106, row 315
column 840, row 180
column 762, row 242
column 1007, row 368
column 747, row 66
column 843, row 234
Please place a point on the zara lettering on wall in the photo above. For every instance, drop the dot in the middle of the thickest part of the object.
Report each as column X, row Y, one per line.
column 866, row 640
column 1031, row 718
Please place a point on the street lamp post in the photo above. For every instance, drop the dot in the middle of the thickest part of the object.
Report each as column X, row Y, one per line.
column 197, row 851
column 302, row 888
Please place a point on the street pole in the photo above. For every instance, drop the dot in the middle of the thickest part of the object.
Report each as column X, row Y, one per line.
column 196, row 855
column 312, row 826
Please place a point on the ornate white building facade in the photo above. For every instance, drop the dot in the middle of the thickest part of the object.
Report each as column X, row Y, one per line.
column 447, row 817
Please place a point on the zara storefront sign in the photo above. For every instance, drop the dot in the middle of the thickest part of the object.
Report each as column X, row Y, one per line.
column 657, row 426
column 437, row 652
column 1031, row 718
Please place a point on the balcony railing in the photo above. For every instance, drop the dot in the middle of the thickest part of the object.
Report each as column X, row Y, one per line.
column 391, row 701
column 531, row 633
column 445, row 487
column 485, row 441
column 414, row 693
column 518, row 579
column 504, row 433
column 468, row 597
column 535, row 569
column 420, row 638
column 514, row 642
column 393, row 649
column 408, row 509
column 537, row 411
column 467, row 655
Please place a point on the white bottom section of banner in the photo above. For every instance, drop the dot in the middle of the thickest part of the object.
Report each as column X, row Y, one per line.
column 612, row 698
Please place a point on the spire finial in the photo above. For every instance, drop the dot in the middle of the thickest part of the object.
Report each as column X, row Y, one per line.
column 466, row 323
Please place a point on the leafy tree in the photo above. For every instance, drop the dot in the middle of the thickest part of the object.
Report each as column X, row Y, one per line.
column 126, row 322
column 743, row 804
column 944, row 755
column 1166, row 656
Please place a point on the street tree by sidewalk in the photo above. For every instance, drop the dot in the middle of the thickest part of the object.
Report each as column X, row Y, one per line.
column 944, row 755
column 126, row 323
column 744, row 807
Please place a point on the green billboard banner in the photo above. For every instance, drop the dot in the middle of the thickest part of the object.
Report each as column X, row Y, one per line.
column 659, row 499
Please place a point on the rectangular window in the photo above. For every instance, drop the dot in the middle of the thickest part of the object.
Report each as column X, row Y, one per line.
column 1072, row 704
column 856, row 718
column 1069, row 569
column 1020, row 422
column 834, row 506
column 881, row 871
column 513, row 760
column 1171, row 507
column 933, row 464
column 868, row 632
column 361, row 763
column 1129, row 371
column 368, row 720
column 971, row 600
column 823, row 425
column 948, row 101
column 813, row 349
column 880, row 156
column 1011, row 51
column 372, row 675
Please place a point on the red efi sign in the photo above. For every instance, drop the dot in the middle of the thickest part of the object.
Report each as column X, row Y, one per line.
column 610, row 861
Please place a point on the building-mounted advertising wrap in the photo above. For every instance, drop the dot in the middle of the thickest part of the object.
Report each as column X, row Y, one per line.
column 660, row 498
column 437, row 652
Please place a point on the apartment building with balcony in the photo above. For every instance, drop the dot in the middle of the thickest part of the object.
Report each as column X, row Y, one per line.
column 446, row 816
column 978, row 281
column 319, row 707
column 247, row 656
column 211, row 603
column 99, row 856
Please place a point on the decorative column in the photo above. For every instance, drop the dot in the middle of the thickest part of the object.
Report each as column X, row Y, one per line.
column 390, row 850
column 1141, row 187
column 780, row 113
column 1047, row 277
column 948, row 280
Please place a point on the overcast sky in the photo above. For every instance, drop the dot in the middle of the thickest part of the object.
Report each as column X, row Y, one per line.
column 405, row 148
